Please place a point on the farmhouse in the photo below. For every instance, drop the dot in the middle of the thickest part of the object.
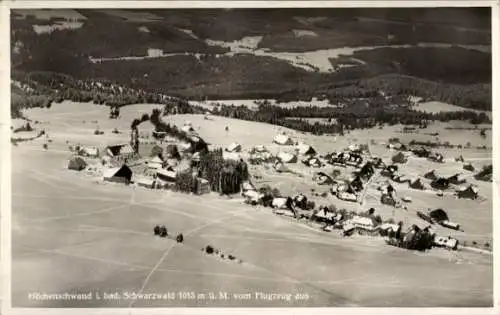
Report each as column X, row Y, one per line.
column 120, row 150
column 155, row 163
column 145, row 182
column 402, row 179
column 234, row 147
column 469, row 167
column 389, row 171
column 202, row 186
column 450, row 225
column 247, row 186
column 187, row 128
column 469, row 192
column 357, row 183
column 436, row 157
column 416, row 183
column 312, row 161
column 446, row 242
column 89, row 151
column 440, row 183
column 280, row 167
column 431, row 175
column 457, row 179
column 347, row 196
column 438, row 215
column 367, row 170
column 165, row 175
column 77, row 163
column 231, row 156
column 399, row 158
column 283, row 140
column 387, row 199
column 323, row 179
column 172, row 152
column 305, row 149
column 486, row 174
column 287, row 157
column 259, row 149
column 121, row 174
column 421, row 152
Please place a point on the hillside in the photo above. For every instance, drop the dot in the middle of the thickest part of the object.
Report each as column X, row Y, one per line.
column 194, row 54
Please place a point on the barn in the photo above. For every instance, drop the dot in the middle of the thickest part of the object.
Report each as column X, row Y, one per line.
column 77, row 164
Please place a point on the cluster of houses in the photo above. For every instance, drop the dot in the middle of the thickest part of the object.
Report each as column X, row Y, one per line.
column 439, row 182
column 160, row 171
column 121, row 164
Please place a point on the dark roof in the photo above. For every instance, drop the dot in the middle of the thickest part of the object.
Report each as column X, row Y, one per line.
column 438, row 215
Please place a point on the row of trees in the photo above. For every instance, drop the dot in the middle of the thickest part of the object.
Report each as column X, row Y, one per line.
column 353, row 114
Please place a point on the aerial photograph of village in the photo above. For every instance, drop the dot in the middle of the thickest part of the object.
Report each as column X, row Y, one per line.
column 272, row 157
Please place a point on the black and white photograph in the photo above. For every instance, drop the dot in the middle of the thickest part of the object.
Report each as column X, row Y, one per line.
column 257, row 157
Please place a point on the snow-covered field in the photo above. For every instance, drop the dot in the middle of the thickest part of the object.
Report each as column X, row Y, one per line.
column 72, row 233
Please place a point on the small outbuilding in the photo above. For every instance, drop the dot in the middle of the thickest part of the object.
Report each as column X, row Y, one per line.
column 172, row 152
column 469, row 167
column 416, row 183
column 283, row 140
column 438, row 215
column 431, row 175
column 470, row 192
column 440, row 183
column 145, row 182
column 287, row 157
column 165, row 175
column 202, row 186
column 77, row 164
column 234, row 147
column 305, row 149
column 457, row 179
column 89, row 152
column 120, row 150
column 400, row 158
column 155, row 163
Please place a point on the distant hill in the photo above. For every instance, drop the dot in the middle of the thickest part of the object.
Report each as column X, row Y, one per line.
column 199, row 68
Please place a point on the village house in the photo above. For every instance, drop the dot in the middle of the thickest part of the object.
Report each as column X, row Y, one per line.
column 469, row 192
column 121, row 174
column 305, row 149
column 122, row 151
column 287, row 157
column 416, row 183
column 400, row 158
column 77, row 163
column 234, row 147
column 282, row 139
